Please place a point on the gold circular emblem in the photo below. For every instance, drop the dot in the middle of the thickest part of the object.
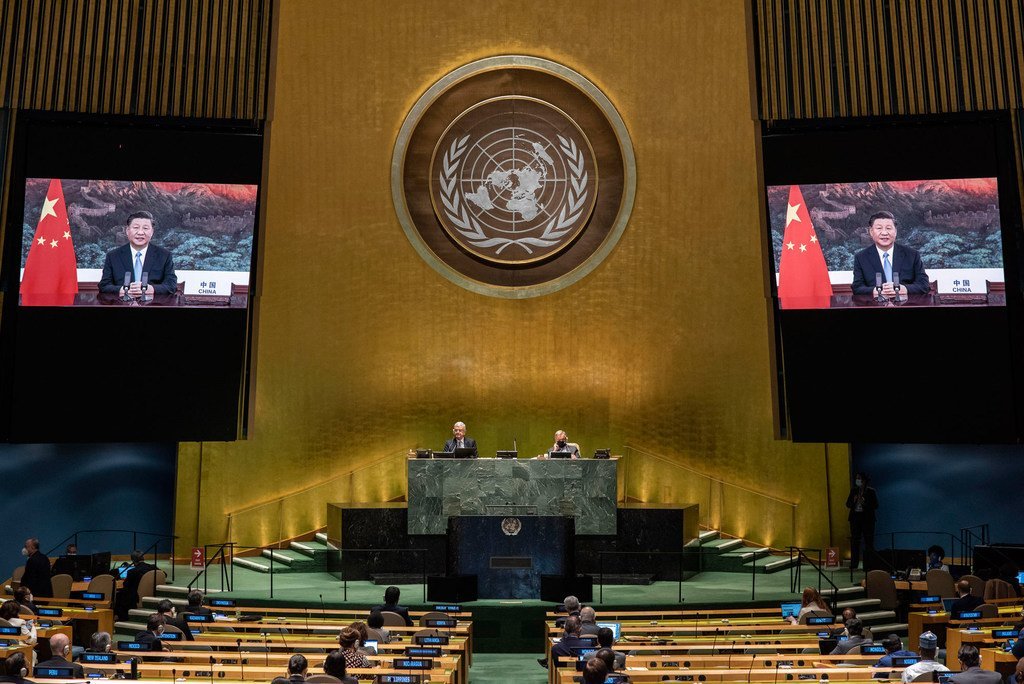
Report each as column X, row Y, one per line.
column 513, row 176
column 513, row 180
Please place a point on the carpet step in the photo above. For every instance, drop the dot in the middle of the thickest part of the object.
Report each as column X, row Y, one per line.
column 734, row 561
column 771, row 564
column 261, row 564
column 882, row 631
column 721, row 546
column 322, row 538
column 858, row 604
column 870, row 618
column 295, row 560
column 844, row 592
column 318, row 551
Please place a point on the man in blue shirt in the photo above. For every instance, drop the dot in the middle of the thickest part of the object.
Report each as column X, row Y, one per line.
column 893, row 649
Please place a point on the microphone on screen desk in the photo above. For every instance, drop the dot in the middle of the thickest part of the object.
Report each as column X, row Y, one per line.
column 127, row 283
column 241, row 661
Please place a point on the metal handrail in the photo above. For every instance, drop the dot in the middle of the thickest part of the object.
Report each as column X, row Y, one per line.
column 73, row 537
column 681, row 554
column 796, row 577
column 793, row 505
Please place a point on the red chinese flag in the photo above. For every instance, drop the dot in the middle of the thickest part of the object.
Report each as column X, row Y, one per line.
column 803, row 275
column 51, row 270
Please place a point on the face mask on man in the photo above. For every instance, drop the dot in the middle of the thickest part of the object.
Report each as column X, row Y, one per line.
column 24, row 551
column 859, row 482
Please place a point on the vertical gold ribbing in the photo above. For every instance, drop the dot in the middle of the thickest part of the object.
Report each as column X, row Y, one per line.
column 824, row 58
column 198, row 58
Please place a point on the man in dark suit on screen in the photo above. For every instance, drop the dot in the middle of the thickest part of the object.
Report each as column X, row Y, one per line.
column 885, row 257
column 459, row 439
column 138, row 257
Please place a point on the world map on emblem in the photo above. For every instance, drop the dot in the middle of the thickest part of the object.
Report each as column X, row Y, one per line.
column 513, row 180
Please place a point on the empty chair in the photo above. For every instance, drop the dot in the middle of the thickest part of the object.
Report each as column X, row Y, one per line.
column 427, row 632
column 989, row 610
column 432, row 615
column 940, row 583
column 148, row 584
column 174, row 630
column 4, row 623
column 879, row 585
column 393, row 619
column 323, row 679
column 925, row 676
column 374, row 635
column 977, row 585
column 998, row 589
column 18, row 573
column 103, row 584
column 62, row 586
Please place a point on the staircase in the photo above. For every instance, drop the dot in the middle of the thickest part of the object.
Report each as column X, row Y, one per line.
column 720, row 554
column 882, row 623
column 304, row 556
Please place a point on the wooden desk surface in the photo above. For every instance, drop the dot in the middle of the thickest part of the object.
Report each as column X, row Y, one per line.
column 256, row 672
column 998, row 660
column 918, row 623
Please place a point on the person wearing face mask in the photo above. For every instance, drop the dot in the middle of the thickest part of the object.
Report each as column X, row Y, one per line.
column 37, row 570
column 563, row 445
column 936, row 558
column 862, row 502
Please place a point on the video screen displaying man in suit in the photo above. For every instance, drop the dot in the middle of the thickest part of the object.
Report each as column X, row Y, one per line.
column 137, row 257
column 887, row 258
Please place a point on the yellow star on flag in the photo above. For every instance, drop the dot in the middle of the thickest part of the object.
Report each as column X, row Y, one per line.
column 48, row 208
column 789, row 245
column 41, row 240
column 814, row 238
column 67, row 235
column 53, row 243
column 803, row 248
column 791, row 213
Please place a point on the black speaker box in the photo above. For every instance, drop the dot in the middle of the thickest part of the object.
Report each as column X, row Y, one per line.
column 456, row 589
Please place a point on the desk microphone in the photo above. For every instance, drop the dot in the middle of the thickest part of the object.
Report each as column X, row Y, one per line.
column 127, row 283
column 896, row 282
column 307, row 618
column 266, row 648
column 145, row 281
column 281, row 630
column 728, row 663
column 878, row 283
column 749, row 669
column 777, row 663
column 212, row 661
column 714, row 641
column 322, row 608
column 240, row 660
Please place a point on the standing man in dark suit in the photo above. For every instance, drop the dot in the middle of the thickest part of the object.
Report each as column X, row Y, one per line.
column 459, row 439
column 37, row 570
column 862, row 502
column 138, row 257
column 886, row 257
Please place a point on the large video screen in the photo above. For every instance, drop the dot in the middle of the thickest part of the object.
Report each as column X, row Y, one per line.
column 887, row 243
column 114, row 242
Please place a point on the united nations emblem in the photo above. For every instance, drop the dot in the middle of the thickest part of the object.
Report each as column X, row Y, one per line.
column 513, row 176
column 513, row 180
column 511, row 526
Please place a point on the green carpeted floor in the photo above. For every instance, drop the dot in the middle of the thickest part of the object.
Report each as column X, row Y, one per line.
column 502, row 668
column 510, row 626
column 704, row 590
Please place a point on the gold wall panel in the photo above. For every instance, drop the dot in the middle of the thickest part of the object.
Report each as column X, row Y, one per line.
column 819, row 58
column 187, row 58
column 364, row 351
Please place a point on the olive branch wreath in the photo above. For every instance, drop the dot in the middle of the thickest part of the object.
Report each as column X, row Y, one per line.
column 468, row 226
